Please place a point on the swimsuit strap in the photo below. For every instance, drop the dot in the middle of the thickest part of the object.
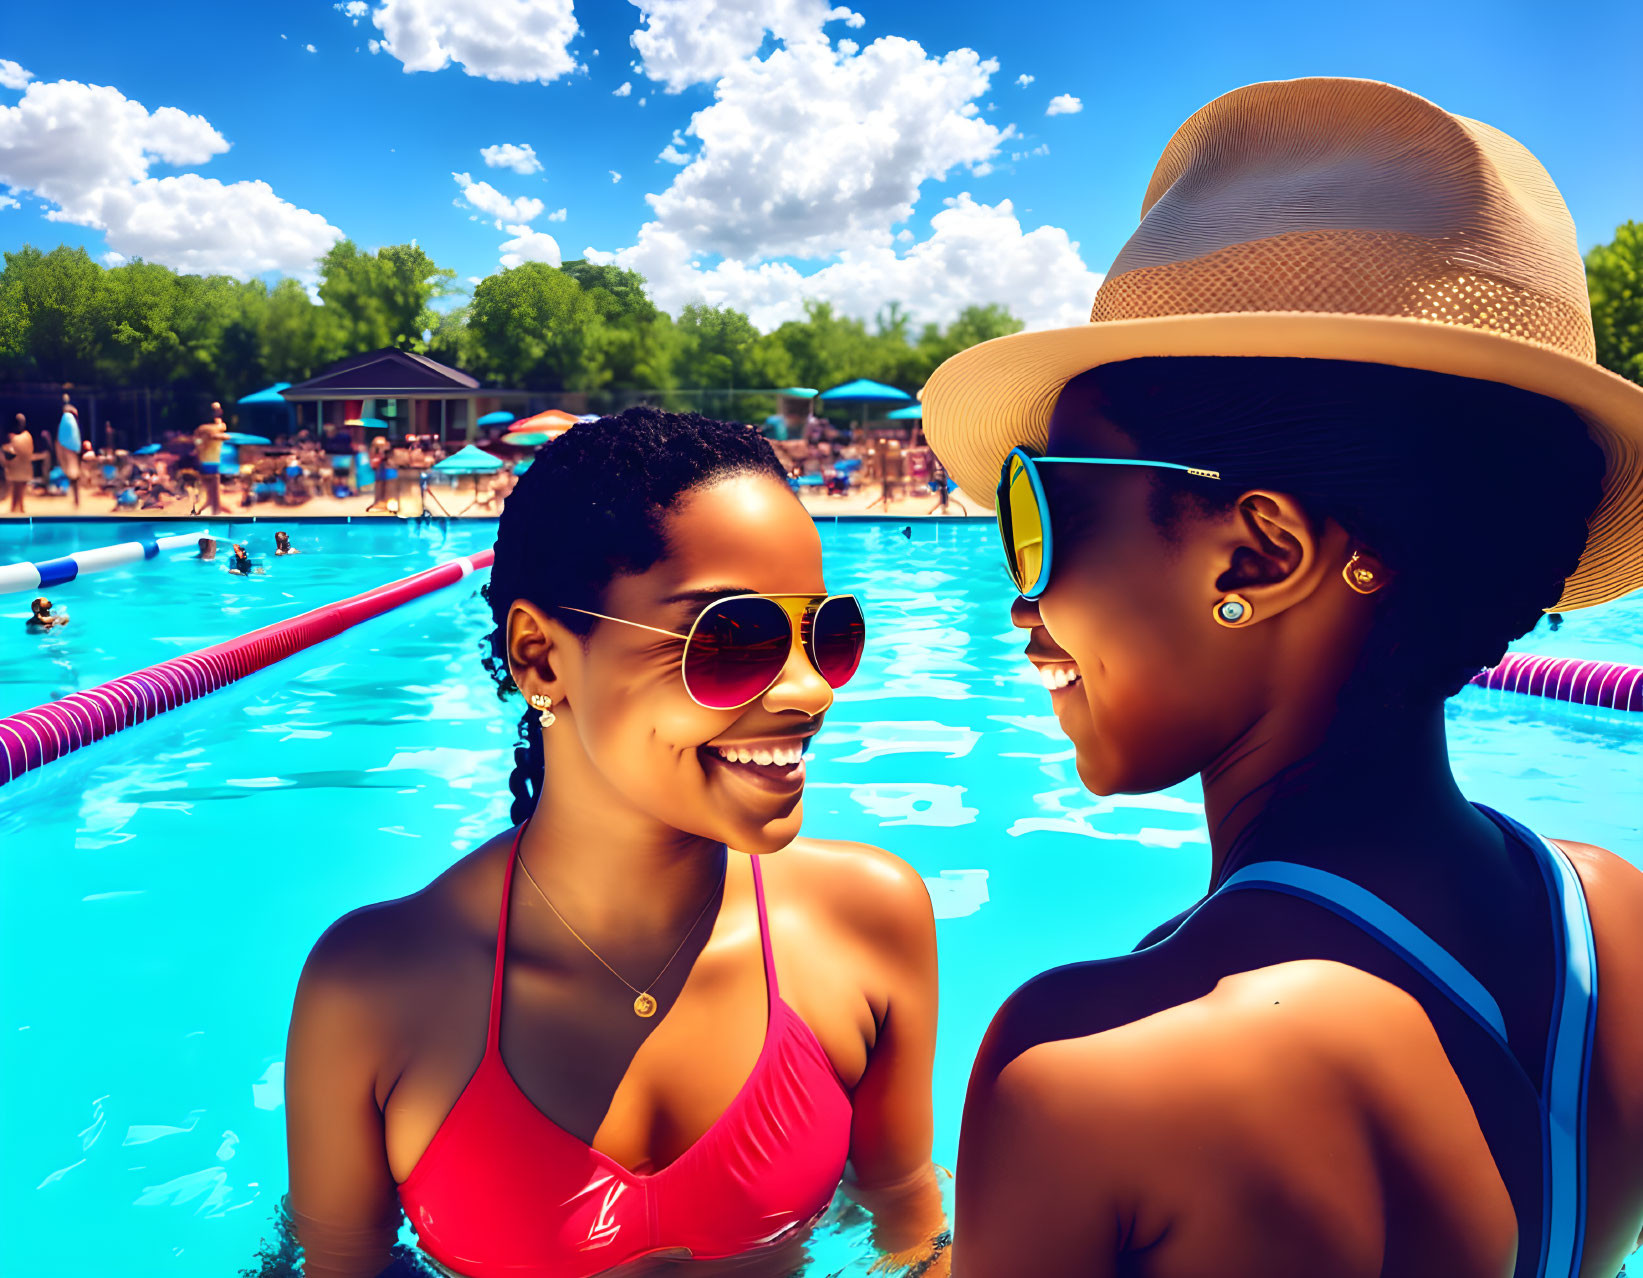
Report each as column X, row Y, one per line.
column 493, row 1032
column 1565, row 1084
column 1371, row 914
column 764, row 934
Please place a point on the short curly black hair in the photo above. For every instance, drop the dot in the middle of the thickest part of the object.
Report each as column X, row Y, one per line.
column 591, row 508
column 1476, row 495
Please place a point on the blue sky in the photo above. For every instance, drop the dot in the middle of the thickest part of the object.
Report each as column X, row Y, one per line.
column 826, row 147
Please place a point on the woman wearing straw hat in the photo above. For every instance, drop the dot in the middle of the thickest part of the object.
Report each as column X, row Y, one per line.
column 1333, row 438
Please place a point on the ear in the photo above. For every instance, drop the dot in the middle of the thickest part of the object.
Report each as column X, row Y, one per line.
column 1276, row 554
column 541, row 652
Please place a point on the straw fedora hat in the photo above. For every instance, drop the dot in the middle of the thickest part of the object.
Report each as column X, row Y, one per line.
column 1332, row 219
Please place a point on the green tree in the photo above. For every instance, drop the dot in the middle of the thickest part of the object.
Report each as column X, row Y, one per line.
column 296, row 336
column 1614, row 277
column 383, row 298
column 50, row 313
column 533, row 326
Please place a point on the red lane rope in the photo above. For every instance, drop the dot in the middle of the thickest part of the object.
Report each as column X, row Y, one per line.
column 1608, row 684
column 33, row 738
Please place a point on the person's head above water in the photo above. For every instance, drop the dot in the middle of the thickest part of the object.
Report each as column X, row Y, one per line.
column 208, row 548
column 41, row 607
column 282, row 540
column 648, row 517
column 1466, row 537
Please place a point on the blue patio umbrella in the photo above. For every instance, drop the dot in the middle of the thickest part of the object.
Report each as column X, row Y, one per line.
column 268, row 395
column 495, row 419
column 522, row 465
column 865, row 392
column 913, row 412
column 470, row 461
column 239, row 437
column 862, row 389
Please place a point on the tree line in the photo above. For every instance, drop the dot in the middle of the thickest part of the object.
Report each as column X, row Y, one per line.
column 66, row 318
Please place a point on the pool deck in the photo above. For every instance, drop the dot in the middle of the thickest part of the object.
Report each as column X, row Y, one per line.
column 856, row 503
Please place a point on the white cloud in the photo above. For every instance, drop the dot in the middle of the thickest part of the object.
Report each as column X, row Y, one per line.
column 685, row 42
column 1064, row 104
column 1024, row 80
column 558, row 215
column 88, row 149
column 355, row 9
column 13, row 76
column 976, row 254
column 111, row 258
column 520, row 157
column 474, row 279
column 614, row 175
column 487, row 199
column 530, row 246
column 622, row 90
column 310, row 48
column 809, row 153
column 375, row 46
column 849, row 48
column 7, row 202
column 511, row 40
column 673, row 155
column 642, row 101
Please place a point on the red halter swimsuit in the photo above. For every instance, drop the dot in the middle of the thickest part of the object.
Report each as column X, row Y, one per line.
column 504, row 1190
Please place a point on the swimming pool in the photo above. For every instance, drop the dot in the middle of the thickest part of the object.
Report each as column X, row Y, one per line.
column 126, row 618
column 160, row 889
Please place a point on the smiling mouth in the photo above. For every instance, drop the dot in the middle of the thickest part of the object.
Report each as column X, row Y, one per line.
column 775, row 766
column 1059, row 676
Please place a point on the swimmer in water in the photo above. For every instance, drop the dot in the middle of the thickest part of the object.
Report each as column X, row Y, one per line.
column 208, row 547
column 41, row 617
column 283, row 546
column 241, row 562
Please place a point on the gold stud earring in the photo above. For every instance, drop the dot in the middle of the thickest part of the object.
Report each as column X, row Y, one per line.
column 545, row 705
column 1362, row 577
column 1233, row 611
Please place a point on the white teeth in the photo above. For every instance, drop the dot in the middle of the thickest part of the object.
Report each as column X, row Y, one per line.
column 781, row 756
column 1054, row 677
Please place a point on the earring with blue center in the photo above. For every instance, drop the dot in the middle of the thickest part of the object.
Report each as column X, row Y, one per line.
column 1233, row 610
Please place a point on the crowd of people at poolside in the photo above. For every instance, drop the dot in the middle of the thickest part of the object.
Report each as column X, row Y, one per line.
column 289, row 471
column 292, row 470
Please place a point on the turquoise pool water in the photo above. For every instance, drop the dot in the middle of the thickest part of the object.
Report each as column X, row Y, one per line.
column 159, row 890
column 123, row 619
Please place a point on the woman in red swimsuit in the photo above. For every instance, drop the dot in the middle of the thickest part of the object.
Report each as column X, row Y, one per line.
column 621, row 1031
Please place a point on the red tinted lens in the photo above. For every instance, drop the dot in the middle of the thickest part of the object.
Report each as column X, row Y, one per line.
column 736, row 651
column 838, row 633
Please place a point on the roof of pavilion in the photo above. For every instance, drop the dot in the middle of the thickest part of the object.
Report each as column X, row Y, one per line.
column 386, row 374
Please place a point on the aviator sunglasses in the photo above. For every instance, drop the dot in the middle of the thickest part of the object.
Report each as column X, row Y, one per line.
column 1024, row 512
column 738, row 646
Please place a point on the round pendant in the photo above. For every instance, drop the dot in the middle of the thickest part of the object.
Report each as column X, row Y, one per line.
column 644, row 1005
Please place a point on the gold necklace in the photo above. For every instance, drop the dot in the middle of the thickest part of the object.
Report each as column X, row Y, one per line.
column 645, row 1003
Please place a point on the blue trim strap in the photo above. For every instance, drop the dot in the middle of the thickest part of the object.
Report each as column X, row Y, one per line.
column 1566, row 1081
column 1380, row 920
column 151, row 548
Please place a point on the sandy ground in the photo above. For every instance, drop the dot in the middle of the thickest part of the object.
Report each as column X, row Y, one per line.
column 101, row 506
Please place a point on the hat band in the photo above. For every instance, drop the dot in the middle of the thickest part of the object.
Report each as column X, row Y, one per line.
column 1350, row 272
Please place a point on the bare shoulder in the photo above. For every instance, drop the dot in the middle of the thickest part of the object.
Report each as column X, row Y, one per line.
column 365, row 959
column 1605, row 874
column 869, row 891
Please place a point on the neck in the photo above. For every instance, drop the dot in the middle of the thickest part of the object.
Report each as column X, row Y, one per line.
column 1338, row 796
column 613, row 871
